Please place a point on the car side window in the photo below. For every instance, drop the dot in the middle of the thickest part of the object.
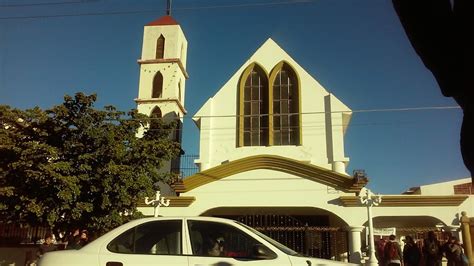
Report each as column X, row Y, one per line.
column 158, row 238
column 221, row 240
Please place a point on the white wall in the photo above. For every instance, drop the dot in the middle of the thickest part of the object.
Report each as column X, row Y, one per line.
column 174, row 42
column 320, row 146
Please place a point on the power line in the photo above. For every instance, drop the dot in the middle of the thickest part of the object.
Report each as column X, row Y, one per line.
column 321, row 124
column 156, row 11
column 248, row 5
column 49, row 3
column 79, row 15
column 353, row 111
column 406, row 109
column 313, row 129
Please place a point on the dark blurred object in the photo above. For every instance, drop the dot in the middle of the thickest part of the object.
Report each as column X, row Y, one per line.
column 442, row 34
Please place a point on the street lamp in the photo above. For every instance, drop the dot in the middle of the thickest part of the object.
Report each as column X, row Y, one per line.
column 369, row 199
column 157, row 202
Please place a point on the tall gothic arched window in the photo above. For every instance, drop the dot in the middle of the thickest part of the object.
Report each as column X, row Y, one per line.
column 253, row 129
column 157, row 86
column 160, row 47
column 285, row 106
column 269, row 108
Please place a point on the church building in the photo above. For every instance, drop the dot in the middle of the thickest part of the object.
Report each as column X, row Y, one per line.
column 271, row 154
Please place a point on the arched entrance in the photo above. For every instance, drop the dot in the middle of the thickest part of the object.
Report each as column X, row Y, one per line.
column 309, row 231
column 415, row 226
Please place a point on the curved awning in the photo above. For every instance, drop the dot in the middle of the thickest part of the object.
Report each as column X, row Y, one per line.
column 306, row 170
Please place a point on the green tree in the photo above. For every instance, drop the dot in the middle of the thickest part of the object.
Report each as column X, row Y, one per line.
column 76, row 166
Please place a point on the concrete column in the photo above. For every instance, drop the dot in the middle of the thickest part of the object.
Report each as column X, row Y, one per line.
column 355, row 244
column 465, row 227
column 339, row 167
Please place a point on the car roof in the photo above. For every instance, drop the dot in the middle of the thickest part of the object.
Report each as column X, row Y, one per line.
column 202, row 218
column 96, row 244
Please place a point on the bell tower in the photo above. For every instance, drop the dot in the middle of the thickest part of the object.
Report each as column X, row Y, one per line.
column 163, row 73
column 163, row 69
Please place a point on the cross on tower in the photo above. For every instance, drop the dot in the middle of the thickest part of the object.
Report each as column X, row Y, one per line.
column 168, row 7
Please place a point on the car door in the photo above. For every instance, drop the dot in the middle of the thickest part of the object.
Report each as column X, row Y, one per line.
column 150, row 243
column 218, row 243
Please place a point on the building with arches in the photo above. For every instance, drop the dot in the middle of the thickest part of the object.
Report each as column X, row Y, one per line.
column 272, row 153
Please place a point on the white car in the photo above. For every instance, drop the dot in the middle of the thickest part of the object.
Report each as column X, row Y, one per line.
column 182, row 241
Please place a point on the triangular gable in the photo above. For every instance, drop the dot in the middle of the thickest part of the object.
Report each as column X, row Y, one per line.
column 277, row 163
column 268, row 55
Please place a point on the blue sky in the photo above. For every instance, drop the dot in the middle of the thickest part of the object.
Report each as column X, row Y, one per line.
column 355, row 48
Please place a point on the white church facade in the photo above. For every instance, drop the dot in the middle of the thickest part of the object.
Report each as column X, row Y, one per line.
column 277, row 161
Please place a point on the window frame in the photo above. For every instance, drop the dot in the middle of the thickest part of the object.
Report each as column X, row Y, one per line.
column 132, row 232
column 263, row 136
column 233, row 231
column 160, row 47
column 283, row 65
column 157, row 89
column 270, row 139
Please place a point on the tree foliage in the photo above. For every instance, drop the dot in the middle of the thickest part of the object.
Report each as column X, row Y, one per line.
column 77, row 166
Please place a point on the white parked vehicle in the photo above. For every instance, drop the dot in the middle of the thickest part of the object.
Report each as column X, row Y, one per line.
column 182, row 241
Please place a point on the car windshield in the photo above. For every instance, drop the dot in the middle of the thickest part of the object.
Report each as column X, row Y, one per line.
column 272, row 241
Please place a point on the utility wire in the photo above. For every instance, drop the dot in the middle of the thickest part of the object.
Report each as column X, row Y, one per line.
column 49, row 3
column 408, row 109
column 80, row 15
column 161, row 10
column 318, row 125
column 313, row 128
column 247, row 5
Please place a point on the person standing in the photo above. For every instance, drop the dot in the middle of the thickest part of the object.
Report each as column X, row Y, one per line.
column 78, row 239
column 411, row 253
column 392, row 252
column 84, row 238
column 47, row 246
column 379, row 251
column 431, row 250
column 453, row 251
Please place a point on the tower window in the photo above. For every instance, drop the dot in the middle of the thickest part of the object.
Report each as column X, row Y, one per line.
column 157, row 86
column 160, row 47
column 179, row 90
column 156, row 116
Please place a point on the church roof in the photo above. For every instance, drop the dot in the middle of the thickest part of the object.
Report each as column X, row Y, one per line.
column 165, row 20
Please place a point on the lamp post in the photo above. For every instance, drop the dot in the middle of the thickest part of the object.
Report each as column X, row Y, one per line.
column 157, row 202
column 369, row 199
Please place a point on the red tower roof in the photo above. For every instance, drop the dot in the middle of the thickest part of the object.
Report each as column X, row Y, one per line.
column 165, row 20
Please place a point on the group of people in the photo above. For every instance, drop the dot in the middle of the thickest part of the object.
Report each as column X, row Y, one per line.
column 389, row 253
column 74, row 240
